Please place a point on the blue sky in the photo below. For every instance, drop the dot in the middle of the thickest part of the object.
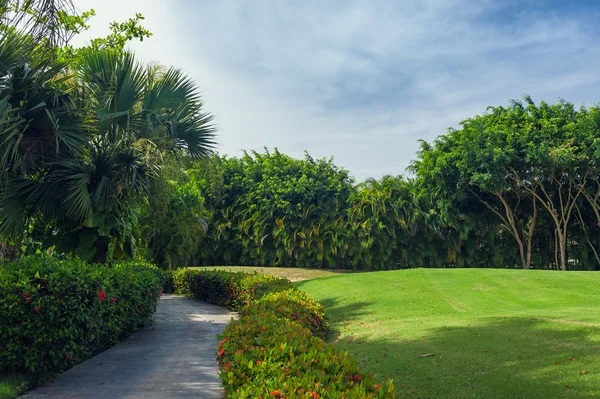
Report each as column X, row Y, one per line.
column 363, row 81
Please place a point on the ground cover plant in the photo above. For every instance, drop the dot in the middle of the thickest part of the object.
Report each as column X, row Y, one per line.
column 462, row 333
column 12, row 385
column 56, row 313
column 274, row 349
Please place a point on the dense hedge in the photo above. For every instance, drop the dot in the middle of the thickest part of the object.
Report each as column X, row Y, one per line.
column 231, row 290
column 56, row 313
column 274, row 350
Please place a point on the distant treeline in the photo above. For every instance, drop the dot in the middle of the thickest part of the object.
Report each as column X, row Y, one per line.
column 515, row 187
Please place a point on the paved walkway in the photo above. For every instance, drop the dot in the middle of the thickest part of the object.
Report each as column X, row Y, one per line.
column 175, row 358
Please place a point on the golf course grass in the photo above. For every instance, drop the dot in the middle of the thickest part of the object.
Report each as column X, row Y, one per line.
column 470, row 333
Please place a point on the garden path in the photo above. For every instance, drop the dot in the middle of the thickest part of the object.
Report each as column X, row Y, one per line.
column 175, row 358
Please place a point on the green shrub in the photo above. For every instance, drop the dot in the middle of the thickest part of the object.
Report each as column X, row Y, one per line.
column 262, row 355
column 228, row 289
column 295, row 305
column 56, row 313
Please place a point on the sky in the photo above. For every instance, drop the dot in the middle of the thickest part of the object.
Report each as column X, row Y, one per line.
column 363, row 81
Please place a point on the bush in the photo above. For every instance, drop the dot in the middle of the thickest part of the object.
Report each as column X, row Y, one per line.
column 295, row 305
column 263, row 355
column 56, row 313
column 228, row 289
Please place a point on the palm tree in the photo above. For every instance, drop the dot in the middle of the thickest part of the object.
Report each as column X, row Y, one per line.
column 79, row 151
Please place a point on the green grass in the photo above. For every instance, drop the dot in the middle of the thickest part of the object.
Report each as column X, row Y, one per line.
column 11, row 386
column 291, row 273
column 492, row 333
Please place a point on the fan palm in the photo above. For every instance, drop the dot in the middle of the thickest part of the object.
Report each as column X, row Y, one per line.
column 78, row 153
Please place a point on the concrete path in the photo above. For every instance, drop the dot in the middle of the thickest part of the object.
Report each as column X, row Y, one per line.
column 175, row 358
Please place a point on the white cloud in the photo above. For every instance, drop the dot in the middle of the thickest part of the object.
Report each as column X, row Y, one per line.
column 361, row 80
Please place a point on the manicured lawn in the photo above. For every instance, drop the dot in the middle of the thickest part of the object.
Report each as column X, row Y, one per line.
column 11, row 386
column 489, row 333
column 291, row 273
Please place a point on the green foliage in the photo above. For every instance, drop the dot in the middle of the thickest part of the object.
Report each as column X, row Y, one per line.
column 262, row 354
column 172, row 221
column 228, row 289
column 56, row 313
column 272, row 209
column 78, row 156
column 120, row 34
column 294, row 305
column 507, row 164
column 12, row 386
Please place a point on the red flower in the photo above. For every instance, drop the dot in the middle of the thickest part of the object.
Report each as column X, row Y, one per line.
column 277, row 394
column 149, row 293
column 113, row 300
column 357, row 378
column 102, row 295
column 221, row 352
column 68, row 357
column 314, row 394
column 36, row 309
column 376, row 386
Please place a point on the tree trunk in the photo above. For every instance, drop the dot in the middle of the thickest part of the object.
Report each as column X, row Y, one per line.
column 563, row 254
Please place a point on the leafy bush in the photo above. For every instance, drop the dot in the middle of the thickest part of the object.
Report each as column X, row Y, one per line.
column 231, row 290
column 263, row 355
column 56, row 313
column 295, row 305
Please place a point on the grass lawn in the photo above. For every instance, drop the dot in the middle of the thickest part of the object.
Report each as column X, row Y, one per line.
column 487, row 333
column 11, row 386
column 291, row 273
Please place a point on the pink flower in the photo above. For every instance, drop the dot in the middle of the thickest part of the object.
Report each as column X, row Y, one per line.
column 113, row 300
column 102, row 295
column 36, row 309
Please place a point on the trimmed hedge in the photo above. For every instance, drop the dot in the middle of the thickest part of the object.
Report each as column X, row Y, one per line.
column 56, row 313
column 231, row 290
column 274, row 350
column 295, row 305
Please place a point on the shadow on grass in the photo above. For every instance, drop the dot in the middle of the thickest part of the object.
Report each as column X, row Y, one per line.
column 497, row 358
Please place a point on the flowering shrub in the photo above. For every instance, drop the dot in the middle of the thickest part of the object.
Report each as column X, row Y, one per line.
column 295, row 305
column 263, row 355
column 56, row 313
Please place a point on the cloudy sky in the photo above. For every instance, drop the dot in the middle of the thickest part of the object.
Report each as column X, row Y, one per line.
column 363, row 81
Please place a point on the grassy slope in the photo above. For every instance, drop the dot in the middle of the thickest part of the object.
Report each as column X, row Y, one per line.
column 494, row 333
column 291, row 273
